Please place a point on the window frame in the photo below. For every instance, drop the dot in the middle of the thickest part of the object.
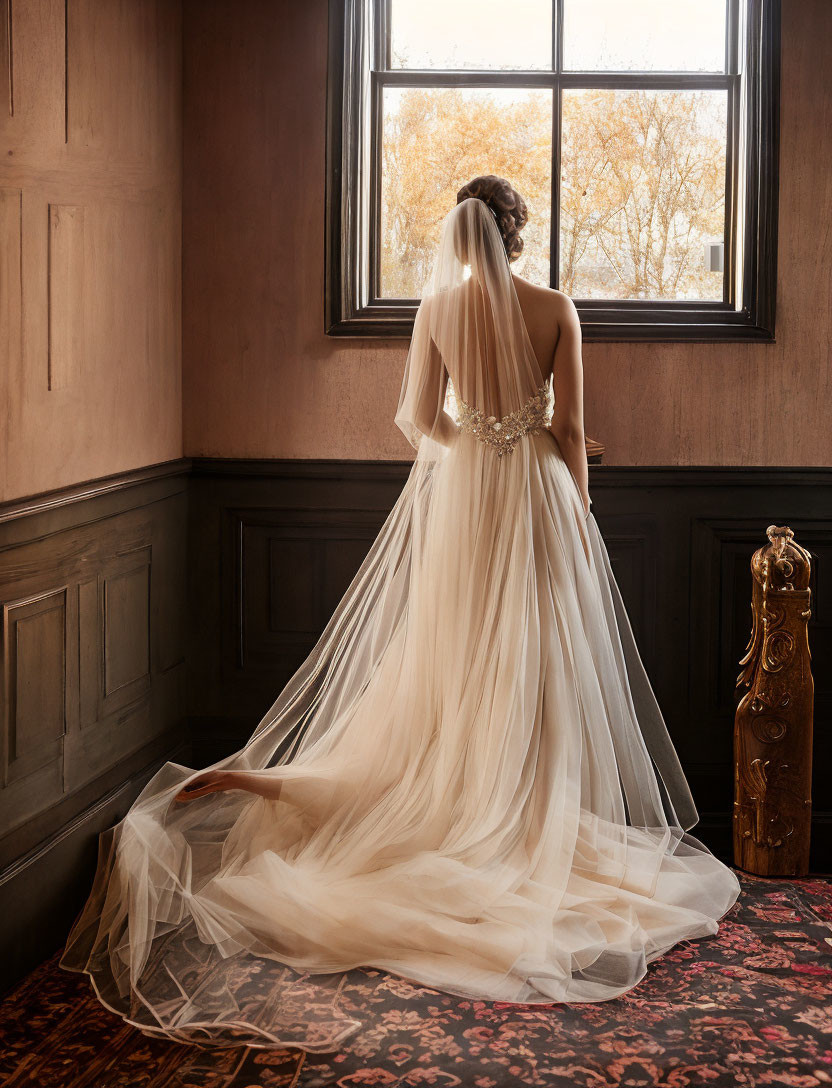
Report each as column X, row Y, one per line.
column 359, row 42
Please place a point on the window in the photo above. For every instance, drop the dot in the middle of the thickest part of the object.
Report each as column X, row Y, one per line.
column 642, row 134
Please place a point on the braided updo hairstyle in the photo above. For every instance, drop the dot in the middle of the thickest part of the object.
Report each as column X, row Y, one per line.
column 508, row 207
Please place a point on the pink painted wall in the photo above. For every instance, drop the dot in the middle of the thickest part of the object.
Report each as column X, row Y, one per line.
column 262, row 380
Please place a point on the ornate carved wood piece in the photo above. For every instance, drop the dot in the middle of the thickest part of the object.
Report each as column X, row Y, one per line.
column 773, row 724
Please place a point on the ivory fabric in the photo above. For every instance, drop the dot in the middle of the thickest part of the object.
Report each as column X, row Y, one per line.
column 468, row 783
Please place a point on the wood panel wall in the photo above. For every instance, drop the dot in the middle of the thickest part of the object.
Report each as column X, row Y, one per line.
column 261, row 378
column 106, row 669
column 90, row 239
column 92, row 650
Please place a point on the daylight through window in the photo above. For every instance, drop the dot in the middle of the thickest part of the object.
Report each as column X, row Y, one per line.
column 641, row 134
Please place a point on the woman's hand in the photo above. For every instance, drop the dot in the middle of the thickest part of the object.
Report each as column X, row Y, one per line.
column 209, row 782
column 260, row 783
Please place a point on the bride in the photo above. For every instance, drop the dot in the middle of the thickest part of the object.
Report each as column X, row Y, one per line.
column 468, row 783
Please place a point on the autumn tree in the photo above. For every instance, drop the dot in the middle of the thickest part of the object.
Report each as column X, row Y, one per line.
column 437, row 140
column 642, row 184
column 642, row 190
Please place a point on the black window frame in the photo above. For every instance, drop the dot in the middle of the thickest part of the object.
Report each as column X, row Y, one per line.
column 359, row 69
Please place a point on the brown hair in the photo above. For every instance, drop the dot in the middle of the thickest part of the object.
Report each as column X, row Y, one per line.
column 508, row 207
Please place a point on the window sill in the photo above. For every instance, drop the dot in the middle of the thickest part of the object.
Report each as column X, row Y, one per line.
column 624, row 324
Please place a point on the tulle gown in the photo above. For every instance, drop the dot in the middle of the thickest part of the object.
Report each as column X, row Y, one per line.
column 468, row 783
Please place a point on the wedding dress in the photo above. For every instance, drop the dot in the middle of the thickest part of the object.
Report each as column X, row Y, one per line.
column 468, row 783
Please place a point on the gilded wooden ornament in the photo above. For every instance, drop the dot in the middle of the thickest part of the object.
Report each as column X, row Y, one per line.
column 773, row 723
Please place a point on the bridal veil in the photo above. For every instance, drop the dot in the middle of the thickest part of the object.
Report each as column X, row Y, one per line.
column 468, row 783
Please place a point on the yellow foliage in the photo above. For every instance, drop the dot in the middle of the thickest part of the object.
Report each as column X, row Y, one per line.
column 642, row 184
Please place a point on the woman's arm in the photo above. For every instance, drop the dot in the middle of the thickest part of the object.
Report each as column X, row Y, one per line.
column 431, row 417
column 568, row 382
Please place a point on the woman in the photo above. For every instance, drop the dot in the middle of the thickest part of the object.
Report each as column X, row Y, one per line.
column 468, row 783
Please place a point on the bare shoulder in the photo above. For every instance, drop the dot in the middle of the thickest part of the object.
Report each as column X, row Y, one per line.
column 563, row 307
column 548, row 302
column 567, row 314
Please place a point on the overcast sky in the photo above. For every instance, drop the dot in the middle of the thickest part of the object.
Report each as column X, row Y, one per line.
column 666, row 35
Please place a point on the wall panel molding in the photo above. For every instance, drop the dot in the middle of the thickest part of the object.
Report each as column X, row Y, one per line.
column 56, row 508
column 38, row 700
column 124, row 608
column 7, row 52
column 11, row 303
column 92, row 153
column 290, row 570
column 66, row 294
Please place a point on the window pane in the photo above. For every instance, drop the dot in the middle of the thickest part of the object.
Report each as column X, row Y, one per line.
column 437, row 139
column 644, row 35
column 642, row 193
column 471, row 34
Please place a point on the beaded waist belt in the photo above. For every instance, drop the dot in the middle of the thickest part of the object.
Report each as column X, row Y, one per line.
column 504, row 434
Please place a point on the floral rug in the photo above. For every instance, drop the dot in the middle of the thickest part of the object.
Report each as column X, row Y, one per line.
column 751, row 1006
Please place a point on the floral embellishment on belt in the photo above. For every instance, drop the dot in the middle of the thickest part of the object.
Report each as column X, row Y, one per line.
column 504, row 434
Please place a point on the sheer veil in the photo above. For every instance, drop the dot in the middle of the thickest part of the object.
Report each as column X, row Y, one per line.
column 468, row 782
column 469, row 327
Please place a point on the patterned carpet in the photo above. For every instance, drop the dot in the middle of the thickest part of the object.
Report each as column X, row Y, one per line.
column 752, row 1006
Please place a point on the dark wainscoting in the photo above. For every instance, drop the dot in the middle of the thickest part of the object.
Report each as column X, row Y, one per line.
column 92, row 592
column 275, row 543
column 107, row 589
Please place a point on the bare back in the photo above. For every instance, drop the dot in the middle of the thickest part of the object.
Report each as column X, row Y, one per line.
column 542, row 310
column 555, row 334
